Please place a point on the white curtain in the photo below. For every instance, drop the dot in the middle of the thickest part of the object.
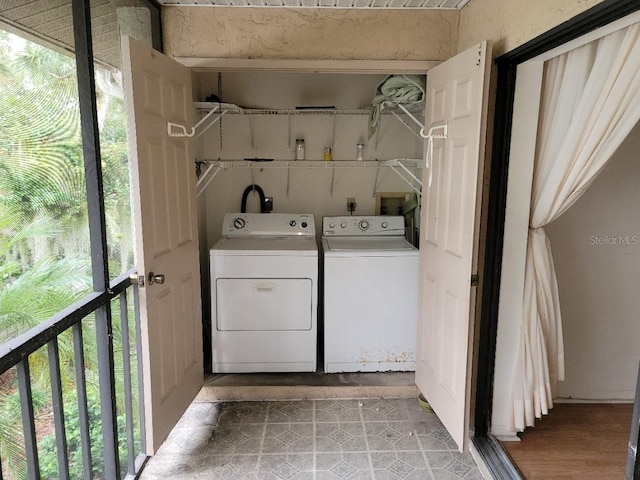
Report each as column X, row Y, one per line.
column 591, row 101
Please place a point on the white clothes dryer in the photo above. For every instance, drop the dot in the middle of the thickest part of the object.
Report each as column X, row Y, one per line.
column 264, row 274
column 370, row 295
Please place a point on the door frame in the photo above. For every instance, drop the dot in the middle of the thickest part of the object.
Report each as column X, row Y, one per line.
column 488, row 448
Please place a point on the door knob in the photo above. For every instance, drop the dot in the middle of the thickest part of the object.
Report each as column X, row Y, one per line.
column 137, row 279
column 153, row 278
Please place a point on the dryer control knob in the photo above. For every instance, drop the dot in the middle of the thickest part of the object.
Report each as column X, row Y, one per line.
column 332, row 225
column 343, row 225
column 363, row 225
column 303, row 224
column 384, row 225
column 239, row 223
column 292, row 223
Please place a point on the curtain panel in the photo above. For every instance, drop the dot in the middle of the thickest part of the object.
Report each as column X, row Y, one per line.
column 590, row 103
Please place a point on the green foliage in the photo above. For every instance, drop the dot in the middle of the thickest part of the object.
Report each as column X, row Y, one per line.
column 41, row 156
column 47, row 446
column 41, row 292
column 44, row 264
column 11, row 435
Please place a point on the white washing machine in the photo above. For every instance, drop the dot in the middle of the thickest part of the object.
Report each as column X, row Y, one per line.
column 370, row 295
column 264, row 274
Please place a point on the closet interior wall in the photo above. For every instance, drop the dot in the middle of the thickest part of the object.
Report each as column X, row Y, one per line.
column 596, row 250
column 322, row 190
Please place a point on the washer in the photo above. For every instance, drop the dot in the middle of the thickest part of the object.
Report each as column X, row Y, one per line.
column 370, row 295
column 264, row 274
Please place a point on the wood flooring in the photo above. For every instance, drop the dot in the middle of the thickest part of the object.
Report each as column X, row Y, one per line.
column 575, row 441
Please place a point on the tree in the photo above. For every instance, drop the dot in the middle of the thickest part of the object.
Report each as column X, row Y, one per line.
column 44, row 260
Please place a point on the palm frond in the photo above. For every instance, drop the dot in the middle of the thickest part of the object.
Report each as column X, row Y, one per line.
column 11, row 436
column 41, row 292
column 16, row 229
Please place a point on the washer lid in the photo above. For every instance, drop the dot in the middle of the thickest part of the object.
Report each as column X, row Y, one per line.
column 298, row 246
column 367, row 245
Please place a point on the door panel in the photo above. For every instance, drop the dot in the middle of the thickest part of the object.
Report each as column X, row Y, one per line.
column 456, row 96
column 163, row 192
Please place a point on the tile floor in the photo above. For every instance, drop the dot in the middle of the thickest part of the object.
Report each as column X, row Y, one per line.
column 313, row 439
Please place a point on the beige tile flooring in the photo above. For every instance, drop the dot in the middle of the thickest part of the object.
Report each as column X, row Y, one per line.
column 356, row 439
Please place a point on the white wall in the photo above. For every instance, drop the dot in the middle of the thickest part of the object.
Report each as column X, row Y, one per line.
column 596, row 247
column 309, row 188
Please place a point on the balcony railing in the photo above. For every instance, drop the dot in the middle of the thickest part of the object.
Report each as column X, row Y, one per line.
column 92, row 426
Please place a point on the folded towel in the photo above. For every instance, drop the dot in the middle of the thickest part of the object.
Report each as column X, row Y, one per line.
column 394, row 90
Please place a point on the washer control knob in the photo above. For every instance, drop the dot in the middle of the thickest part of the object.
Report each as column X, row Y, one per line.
column 332, row 225
column 384, row 225
column 239, row 223
column 363, row 224
column 343, row 225
column 292, row 223
column 303, row 224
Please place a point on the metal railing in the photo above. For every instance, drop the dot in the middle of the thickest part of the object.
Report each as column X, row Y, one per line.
column 121, row 403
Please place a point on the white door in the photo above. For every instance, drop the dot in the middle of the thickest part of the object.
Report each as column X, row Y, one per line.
column 163, row 199
column 456, row 96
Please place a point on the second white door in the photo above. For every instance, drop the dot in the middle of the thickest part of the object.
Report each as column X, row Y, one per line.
column 456, row 98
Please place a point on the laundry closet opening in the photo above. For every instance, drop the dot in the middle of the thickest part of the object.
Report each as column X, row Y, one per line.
column 347, row 169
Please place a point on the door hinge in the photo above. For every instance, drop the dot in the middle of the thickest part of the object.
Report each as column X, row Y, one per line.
column 475, row 279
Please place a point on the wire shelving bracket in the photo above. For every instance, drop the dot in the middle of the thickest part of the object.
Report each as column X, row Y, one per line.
column 421, row 133
column 179, row 130
column 399, row 167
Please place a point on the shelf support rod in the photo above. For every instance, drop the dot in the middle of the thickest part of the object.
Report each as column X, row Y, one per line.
column 407, row 180
column 418, row 122
column 333, row 131
column 178, row 130
column 288, row 173
column 215, row 120
column 409, row 172
column 375, row 182
column 401, row 120
column 333, row 174
column 206, row 178
column 253, row 144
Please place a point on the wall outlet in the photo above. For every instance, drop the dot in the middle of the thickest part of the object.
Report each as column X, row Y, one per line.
column 268, row 204
column 351, row 204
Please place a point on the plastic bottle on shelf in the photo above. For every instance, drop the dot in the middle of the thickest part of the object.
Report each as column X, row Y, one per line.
column 326, row 155
column 299, row 148
column 360, row 152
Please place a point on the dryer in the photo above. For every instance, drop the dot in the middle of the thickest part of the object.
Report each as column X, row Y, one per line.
column 370, row 295
column 264, row 274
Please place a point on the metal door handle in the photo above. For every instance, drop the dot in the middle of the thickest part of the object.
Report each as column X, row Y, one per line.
column 137, row 279
column 153, row 278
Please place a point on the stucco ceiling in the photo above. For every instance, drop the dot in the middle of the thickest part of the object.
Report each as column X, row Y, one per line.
column 409, row 4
